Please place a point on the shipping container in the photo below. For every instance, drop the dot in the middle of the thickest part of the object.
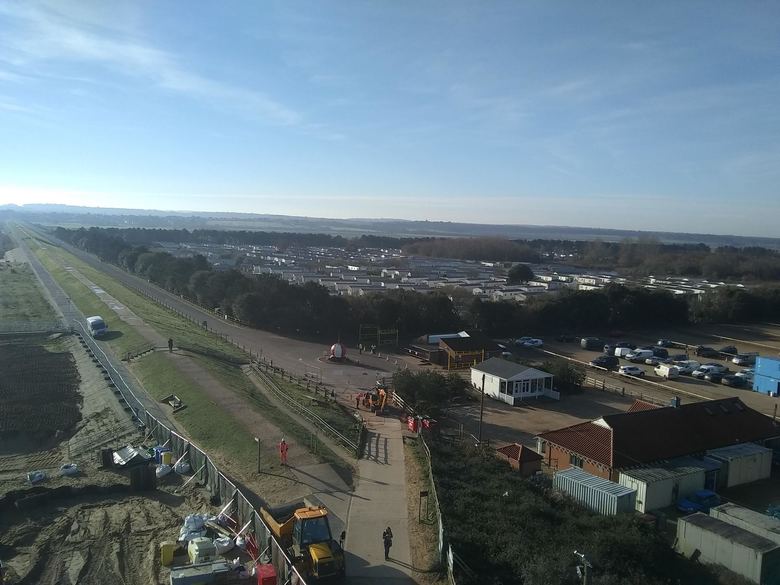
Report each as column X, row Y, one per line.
column 715, row 541
column 767, row 376
column 749, row 520
column 659, row 486
column 595, row 493
column 743, row 463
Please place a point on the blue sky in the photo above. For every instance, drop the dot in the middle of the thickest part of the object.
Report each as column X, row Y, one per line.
column 643, row 115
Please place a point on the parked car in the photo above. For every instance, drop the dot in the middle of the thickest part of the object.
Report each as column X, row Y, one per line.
column 728, row 351
column 667, row 371
column 639, row 355
column 747, row 373
column 705, row 369
column 591, row 343
column 704, row 351
column 678, row 357
column 632, row 371
column 609, row 362
column 566, row 338
column 664, row 343
column 660, row 352
column 745, row 359
column 529, row 342
column 610, row 348
column 734, row 381
column 700, row 501
column 687, row 366
column 714, row 377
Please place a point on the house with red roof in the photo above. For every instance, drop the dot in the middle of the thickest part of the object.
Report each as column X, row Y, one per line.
column 521, row 458
column 647, row 434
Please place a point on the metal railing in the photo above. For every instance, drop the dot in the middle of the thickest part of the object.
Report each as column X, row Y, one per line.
column 308, row 414
column 262, row 545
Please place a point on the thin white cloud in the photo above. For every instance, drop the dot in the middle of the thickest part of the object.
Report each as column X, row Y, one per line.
column 41, row 34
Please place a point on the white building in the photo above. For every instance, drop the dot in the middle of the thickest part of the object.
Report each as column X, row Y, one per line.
column 511, row 382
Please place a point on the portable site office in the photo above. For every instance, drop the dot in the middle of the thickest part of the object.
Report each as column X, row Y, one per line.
column 595, row 493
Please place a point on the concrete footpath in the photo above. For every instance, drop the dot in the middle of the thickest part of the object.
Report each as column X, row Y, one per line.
column 379, row 501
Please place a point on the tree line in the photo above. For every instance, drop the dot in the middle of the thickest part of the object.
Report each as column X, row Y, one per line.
column 267, row 302
column 649, row 257
column 282, row 240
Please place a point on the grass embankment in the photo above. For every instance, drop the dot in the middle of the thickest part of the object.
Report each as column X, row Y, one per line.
column 123, row 338
column 331, row 412
column 185, row 333
column 21, row 299
column 213, row 428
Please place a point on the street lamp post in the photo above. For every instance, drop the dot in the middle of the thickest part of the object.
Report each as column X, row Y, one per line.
column 481, row 409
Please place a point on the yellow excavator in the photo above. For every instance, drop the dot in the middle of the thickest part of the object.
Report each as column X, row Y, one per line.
column 304, row 532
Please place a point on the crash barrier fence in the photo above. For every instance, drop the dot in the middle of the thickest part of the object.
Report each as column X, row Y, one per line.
column 262, row 545
column 350, row 445
column 446, row 555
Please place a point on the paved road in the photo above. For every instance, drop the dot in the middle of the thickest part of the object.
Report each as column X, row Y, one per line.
column 132, row 392
column 379, row 498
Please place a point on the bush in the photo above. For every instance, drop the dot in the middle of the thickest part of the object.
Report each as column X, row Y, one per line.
column 509, row 530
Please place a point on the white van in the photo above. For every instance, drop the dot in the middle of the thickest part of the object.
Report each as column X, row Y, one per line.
column 667, row 371
column 96, row 326
column 622, row 352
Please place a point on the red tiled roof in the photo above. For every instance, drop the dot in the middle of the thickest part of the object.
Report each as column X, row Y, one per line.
column 642, row 405
column 587, row 439
column 519, row 453
column 647, row 435
column 665, row 433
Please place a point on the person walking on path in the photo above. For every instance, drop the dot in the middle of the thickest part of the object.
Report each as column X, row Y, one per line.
column 283, row 451
column 387, row 540
column 170, row 345
column 342, row 538
column 357, row 401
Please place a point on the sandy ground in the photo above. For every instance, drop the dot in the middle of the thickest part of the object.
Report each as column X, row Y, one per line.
column 95, row 539
column 108, row 536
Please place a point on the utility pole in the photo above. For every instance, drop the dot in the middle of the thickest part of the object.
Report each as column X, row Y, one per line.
column 481, row 409
column 583, row 571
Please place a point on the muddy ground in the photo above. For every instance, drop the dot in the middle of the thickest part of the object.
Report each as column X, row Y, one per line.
column 59, row 408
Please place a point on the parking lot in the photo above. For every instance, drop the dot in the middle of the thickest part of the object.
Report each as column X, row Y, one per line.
column 762, row 339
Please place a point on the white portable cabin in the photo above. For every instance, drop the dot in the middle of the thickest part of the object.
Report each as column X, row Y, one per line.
column 661, row 485
column 743, row 463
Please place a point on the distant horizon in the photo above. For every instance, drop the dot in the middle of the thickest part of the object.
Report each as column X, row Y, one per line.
column 185, row 213
column 650, row 117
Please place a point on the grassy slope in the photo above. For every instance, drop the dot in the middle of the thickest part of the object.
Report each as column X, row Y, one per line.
column 210, row 426
column 21, row 298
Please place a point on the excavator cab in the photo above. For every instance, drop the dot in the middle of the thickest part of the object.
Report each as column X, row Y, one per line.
column 313, row 545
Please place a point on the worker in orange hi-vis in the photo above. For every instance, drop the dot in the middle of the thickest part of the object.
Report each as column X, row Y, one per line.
column 283, row 451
